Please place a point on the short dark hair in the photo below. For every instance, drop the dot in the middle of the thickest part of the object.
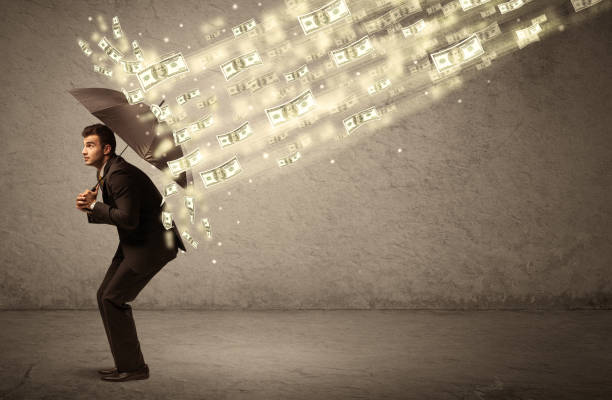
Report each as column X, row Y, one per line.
column 104, row 133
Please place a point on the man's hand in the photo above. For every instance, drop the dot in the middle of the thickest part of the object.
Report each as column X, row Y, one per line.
column 84, row 199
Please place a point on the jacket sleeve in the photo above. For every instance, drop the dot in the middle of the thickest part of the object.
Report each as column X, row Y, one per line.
column 126, row 214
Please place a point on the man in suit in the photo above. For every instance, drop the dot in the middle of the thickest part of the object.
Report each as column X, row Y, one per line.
column 132, row 203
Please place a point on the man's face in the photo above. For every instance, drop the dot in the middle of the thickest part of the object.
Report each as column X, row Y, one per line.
column 92, row 151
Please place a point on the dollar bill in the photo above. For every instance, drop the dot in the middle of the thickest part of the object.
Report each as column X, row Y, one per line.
column 170, row 189
column 170, row 66
column 580, row 5
column 132, row 67
column 450, row 8
column 85, row 47
column 352, row 52
column 185, row 235
column 190, row 207
column 298, row 73
column 413, row 29
column 324, row 16
column 162, row 113
column 182, row 99
column 290, row 159
column 258, row 83
column 461, row 52
column 207, row 229
column 117, row 28
column 181, row 136
column 184, row 134
column 540, row 19
column 167, row 220
column 221, row 173
column 278, row 138
column 489, row 32
column 236, row 65
column 137, row 51
column 469, row 4
column 208, row 102
column 393, row 16
column 237, row 135
column 102, row 70
column 511, row 5
column 184, row 163
column 110, row 51
column 528, row 35
column 134, row 96
column 379, row 85
column 292, row 109
column 244, row 27
column 358, row 119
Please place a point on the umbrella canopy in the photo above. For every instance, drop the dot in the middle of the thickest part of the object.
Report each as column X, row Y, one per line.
column 136, row 125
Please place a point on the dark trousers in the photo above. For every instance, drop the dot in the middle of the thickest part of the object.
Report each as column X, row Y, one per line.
column 121, row 285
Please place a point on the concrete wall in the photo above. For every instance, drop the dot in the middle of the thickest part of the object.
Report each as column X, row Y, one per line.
column 502, row 200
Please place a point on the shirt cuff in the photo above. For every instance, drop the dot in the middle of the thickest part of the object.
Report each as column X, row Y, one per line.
column 91, row 206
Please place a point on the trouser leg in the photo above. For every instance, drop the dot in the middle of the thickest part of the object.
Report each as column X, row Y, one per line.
column 107, row 278
column 123, row 287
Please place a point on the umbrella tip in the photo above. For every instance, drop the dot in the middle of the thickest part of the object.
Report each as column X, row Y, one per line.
column 162, row 102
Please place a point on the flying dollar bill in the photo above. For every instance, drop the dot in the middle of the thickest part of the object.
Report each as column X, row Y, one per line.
column 170, row 66
column 324, row 16
column 450, row 7
column 469, row 4
column 221, row 173
column 235, row 136
column 184, row 163
column 352, row 52
column 181, row 136
column 170, row 189
column 184, row 134
column 511, row 5
column 528, row 35
column 208, row 102
column 189, row 239
column 358, row 119
column 489, row 32
column 162, row 113
column 167, row 220
column 393, row 16
column 293, row 109
column 278, row 138
column 236, row 65
column 461, row 52
column 137, row 51
column 580, row 5
column 133, row 96
column 206, row 225
column 258, row 83
column 244, row 27
column 117, row 28
column 110, row 51
column 132, row 67
column 85, row 47
column 190, row 207
column 298, row 73
column 102, row 70
column 414, row 28
column 290, row 159
column 379, row 85
column 182, row 99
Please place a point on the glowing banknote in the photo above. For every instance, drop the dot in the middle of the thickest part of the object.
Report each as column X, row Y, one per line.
column 184, row 163
column 352, row 52
column 132, row 67
column 290, row 159
column 167, row 220
column 162, row 113
column 489, row 32
column 206, row 225
column 580, row 5
column 469, row 4
column 324, row 16
column 102, row 70
column 462, row 52
column 236, row 65
column 190, row 207
column 170, row 189
column 359, row 119
column 235, row 136
column 182, row 99
column 414, row 28
column 298, row 73
column 528, row 35
column 110, row 51
column 393, row 16
column 378, row 86
column 221, row 173
column 511, row 5
column 293, row 109
column 244, row 27
column 170, row 66
column 117, row 32
column 134, row 96
column 189, row 239
column 85, row 47
column 137, row 51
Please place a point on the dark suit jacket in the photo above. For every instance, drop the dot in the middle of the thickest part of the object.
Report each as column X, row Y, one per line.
column 132, row 203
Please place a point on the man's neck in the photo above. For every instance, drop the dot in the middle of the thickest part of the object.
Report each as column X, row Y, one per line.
column 101, row 169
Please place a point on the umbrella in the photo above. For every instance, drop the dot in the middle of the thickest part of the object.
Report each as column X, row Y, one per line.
column 136, row 125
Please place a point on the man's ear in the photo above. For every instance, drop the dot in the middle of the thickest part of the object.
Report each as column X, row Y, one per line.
column 109, row 149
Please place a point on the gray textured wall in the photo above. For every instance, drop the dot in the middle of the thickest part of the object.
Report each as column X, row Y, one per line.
column 502, row 200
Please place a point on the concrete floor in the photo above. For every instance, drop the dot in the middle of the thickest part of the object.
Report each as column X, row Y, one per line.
column 315, row 355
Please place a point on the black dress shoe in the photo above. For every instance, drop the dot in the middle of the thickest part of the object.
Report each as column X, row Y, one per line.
column 122, row 376
column 108, row 371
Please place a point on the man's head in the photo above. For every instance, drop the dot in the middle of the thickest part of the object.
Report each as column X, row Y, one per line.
column 98, row 144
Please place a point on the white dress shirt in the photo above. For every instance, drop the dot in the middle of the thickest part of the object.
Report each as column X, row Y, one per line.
column 92, row 205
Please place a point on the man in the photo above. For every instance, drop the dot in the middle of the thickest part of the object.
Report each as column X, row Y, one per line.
column 132, row 203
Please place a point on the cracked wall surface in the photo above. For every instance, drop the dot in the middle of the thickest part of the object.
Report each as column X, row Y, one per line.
column 501, row 200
